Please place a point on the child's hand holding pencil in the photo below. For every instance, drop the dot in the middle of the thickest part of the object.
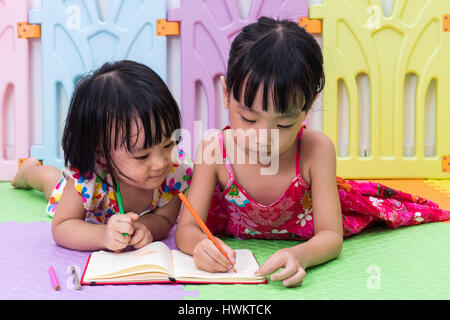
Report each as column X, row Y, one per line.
column 118, row 225
column 207, row 256
column 211, row 254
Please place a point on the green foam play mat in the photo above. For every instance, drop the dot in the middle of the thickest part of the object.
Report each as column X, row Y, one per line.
column 380, row 263
column 22, row 205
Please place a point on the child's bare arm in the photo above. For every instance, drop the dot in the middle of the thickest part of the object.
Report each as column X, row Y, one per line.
column 68, row 226
column 326, row 243
column 161, row 221
column 200, row 192
column 70, row 230
column 189, row 236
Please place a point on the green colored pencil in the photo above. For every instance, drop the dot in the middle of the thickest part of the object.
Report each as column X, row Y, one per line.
column 119, row 201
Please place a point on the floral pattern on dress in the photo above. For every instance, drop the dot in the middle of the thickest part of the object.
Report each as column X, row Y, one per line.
column 303, row 218
column 99, row 199
column 363, row 203
column 236, row 197
column 418, row 217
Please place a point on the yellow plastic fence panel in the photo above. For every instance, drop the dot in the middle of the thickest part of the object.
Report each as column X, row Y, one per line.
column 358, row 39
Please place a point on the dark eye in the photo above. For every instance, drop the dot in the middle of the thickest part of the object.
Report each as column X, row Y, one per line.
column 285, row 127
column 247, row 120
column 142, row 157
column 168, row 145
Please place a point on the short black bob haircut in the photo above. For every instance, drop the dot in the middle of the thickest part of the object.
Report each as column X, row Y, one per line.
column 283, row 57
column 103, row 107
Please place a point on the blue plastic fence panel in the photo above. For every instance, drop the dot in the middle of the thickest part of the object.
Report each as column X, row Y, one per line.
column 77, row 38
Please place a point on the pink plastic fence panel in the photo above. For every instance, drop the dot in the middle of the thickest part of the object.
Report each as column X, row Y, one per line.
column 207, row 29
column 14, row 89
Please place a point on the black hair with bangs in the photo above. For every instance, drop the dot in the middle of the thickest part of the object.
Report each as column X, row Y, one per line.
column 281, row 56
column 104, row 106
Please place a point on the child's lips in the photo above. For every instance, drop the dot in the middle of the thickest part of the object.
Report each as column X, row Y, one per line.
column 262, row 151
column 157, row 176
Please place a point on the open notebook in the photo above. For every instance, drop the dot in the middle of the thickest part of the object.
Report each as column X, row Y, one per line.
column 157, row 263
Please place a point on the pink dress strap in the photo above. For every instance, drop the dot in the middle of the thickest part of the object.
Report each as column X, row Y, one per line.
column 230, row 169
column 297, row 158
column 225, row 159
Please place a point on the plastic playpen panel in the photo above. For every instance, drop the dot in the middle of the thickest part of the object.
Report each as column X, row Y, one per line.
column 207, row 29
column 15, row 107
column 77, row 38
column 359, row 39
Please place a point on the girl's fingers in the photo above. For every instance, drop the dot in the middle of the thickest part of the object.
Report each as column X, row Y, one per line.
column 137, row 236
column 217, row 261
column 134, row 239
column 133, row 216
column 125, row 222
column 269, row 266
column 129, row 217
column 124, row 228
column 209, row 258
column 289, row 269
column 229, row 251
column 120, row 238
column 204, row 261
column 221, row 263
column 118, row 245
column 122, row 218
column 296, row 279
column 141, row 243
column 292, row 274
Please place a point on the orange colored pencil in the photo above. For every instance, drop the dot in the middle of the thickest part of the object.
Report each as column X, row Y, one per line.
column 203, row 226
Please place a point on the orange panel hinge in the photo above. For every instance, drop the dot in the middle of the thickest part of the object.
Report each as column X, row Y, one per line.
column 446, row 164
column 25, row 30
column 310, row 25
column 167, row 28
column 446, row 23
column 22, row 160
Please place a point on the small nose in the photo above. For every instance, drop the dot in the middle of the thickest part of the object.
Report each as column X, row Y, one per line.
column 158, row 163
column 265, row 136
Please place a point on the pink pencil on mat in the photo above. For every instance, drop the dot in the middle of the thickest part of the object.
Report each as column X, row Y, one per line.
column 53, row 278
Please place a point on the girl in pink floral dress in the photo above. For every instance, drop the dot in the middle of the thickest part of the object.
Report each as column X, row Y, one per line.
column 118, row 131
column 274, row 75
